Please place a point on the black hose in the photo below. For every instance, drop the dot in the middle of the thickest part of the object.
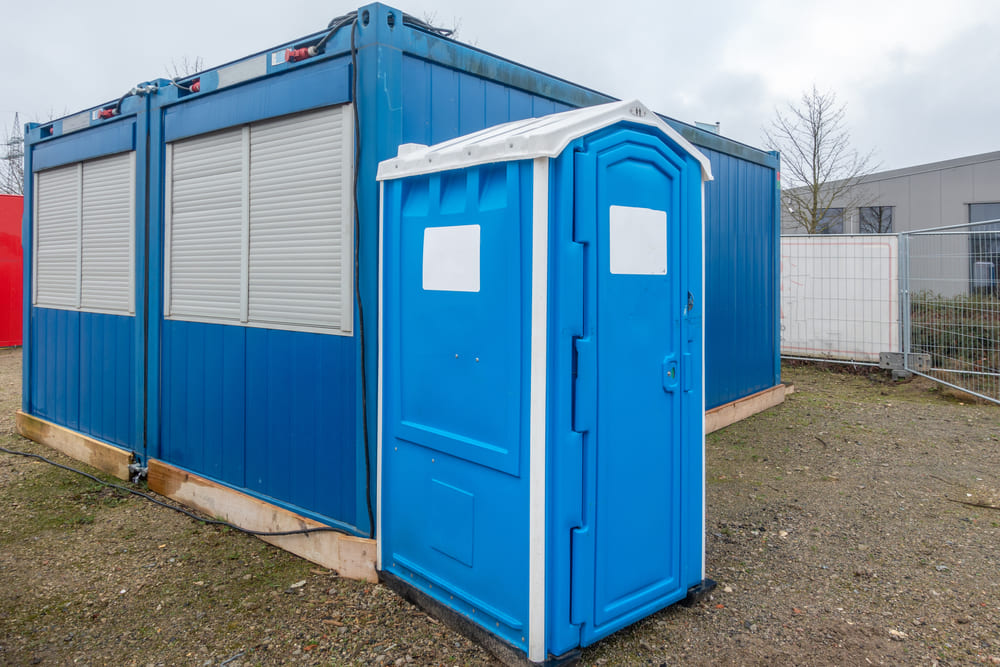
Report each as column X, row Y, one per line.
column 339, row 22
column 357, row 281
column 334, row 25
column 181, row 510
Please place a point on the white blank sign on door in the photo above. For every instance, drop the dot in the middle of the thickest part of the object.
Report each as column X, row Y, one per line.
column 638, row 241
column 451, row 258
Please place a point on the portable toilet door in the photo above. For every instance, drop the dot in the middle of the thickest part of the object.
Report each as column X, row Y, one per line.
column 541, row 445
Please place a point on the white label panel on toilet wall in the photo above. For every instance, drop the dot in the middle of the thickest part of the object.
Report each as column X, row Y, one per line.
column 638, row 241
column 451, row 258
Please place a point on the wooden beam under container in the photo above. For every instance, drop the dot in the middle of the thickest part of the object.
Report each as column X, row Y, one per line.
column 94, row 453
column 730, row 413
column 352, row 557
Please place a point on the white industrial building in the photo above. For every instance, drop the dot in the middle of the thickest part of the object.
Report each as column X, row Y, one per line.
column 950, row 192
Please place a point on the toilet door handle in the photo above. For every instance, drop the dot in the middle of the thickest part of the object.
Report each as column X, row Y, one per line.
column 670, row 373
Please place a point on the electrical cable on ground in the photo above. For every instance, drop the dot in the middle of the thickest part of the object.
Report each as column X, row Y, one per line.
column 181, row 510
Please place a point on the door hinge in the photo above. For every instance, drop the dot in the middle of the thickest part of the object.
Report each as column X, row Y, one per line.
column 581, row 588
column 584, row 198
column 584, row 384
column 572, row 297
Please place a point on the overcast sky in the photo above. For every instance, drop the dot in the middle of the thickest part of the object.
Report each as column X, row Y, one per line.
column 919, row 78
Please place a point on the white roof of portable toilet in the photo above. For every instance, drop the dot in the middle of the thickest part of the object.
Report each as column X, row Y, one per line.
column 528, row 139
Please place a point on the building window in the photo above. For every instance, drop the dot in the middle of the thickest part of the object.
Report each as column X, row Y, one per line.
column 84, row 236
column 832, row 222
column 984, row 250
column 259, row 224
column 984, row 212
column 875, row 219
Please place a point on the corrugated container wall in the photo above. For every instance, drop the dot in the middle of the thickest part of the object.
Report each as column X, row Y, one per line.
column 742, row 274
column 190, row 325
column 10, row 269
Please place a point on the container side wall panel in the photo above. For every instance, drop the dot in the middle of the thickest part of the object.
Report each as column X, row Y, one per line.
column 79, row 227
column 107, row 349
column 741, row 312
column 82, row 372
column 301, row 449
column 203, row 406
column 441, row 103
column 55, row 362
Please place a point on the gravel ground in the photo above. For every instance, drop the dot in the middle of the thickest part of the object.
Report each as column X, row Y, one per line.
column 855, row 524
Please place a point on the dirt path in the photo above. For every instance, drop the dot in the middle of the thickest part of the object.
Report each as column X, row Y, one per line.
column 836, row 529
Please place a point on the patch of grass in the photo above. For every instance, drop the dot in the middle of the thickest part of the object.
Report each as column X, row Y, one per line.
column 60, row 500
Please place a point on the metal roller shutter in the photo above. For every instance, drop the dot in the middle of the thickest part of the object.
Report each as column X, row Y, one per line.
column 300, row 231
column 57, row 237
column 204, row 223
column 107, row 219
column 84, row 231
column 259, row 226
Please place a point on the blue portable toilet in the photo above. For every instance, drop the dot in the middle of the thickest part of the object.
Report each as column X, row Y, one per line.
column 541, row 394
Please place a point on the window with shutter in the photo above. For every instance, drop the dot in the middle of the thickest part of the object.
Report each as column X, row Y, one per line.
column 84, row 236
column 300, row 235
column 107, row 239
column 57, row 237
column 260, row 224
column 204, row 223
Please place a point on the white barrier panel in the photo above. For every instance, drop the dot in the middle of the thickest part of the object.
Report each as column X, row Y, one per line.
column 840, row 296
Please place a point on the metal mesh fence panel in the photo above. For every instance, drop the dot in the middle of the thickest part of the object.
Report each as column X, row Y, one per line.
column 952, row 305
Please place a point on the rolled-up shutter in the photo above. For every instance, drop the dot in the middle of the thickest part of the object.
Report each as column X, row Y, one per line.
column 107, row 219
column 300, row 220
column 204, row 247
column 57, row 240
column 259, row 224
column 84, row 231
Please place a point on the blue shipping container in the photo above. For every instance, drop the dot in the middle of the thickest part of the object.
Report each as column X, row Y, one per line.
column 181, row 339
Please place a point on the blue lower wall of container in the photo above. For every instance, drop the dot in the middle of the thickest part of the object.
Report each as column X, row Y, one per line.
column 82, row 372
column 266, row 410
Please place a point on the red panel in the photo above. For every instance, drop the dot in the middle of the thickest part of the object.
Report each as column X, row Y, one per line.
column 10, row 269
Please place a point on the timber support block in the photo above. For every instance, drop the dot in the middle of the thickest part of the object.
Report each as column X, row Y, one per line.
column 106, row 458
column 352, row 557
column 730, row 413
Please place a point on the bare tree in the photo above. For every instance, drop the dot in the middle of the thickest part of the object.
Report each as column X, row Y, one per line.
column 819, row 166
column 12, row 160
column 186, row 67
column 430, row 21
